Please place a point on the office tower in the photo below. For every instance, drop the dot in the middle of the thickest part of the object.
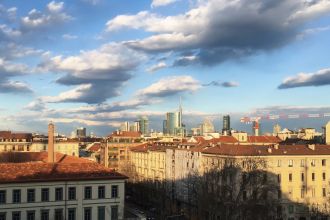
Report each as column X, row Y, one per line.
column 276, row 129
column 327, row 133
column 125, row 126
column 135, row 126
column 144, row 125
column 81, row 132
column 226, row 124
column 207, row 127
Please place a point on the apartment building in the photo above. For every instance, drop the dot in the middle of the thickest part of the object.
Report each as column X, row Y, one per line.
column 148, row 162
column 302, row 173
column 70, row 188
column 24, row 142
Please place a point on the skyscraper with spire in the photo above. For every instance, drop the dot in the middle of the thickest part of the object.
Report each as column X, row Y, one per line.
column 173, row 124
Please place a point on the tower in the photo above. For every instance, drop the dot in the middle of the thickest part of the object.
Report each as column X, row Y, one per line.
column 180, row 113
column 51, row 149
column 327, row 133
column 226, row 124
column 276, row 129
column 255, row 128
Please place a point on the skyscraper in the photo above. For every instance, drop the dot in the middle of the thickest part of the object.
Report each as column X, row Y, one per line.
column 226, row 124
column 125, row 126
column 144, row 125
column 81, row 132
column 173, row 124
column 207, row 127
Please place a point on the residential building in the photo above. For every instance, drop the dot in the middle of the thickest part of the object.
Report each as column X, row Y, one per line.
column 68, row 188
column 327, row 133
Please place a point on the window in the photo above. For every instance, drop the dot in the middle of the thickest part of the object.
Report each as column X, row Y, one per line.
column 324, row 162
column 313, row 163
column 313, row 192
column 302, row 193
column 58, row 194
column 87, row 213
column 72, row 193
column 324, row 192
column 2, row 216
column 2, row 197
column 31, row 195
column 290, row 209
column 302, row 163
column 30, row 215
column 58, row 214
column 290, row 163
column 114, row 191
column 302, row 177
column 44, row 215
column 101, row 192
column 323, row 176
column 71, row 214
column 88, row 192
column 114, row 212
column 16, row 216
column 16, row 196
column 45, row 195
column 278, row 178
column 313, row 176
column 290, row 177
column 279, row 163
column 101, row 213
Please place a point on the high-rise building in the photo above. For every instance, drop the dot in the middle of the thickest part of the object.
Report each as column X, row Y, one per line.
column 207, row 127
column 135, row 126
column 226, row 124
column 276, row 129
column 81, row 132
column 144, row 125
column 173, row 124
column 125, row 126
column 327, row 133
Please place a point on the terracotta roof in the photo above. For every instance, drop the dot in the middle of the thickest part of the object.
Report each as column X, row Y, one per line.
column 140, row 148
column 66, row 168
column 257, row 150
column 135, row 134
column 263, row 139
column 224, row 140
column 10, row 135
column 95, row 147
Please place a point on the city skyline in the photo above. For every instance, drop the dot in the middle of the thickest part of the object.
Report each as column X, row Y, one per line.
column 97, row 63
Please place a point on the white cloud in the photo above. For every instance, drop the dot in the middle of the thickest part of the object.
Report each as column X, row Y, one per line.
column 53, row 15
column 55, row 7
column 158, row 3
column 156, row 67
column 77, row 93
column 170, row 86
column 319, row 78
column 69, row 37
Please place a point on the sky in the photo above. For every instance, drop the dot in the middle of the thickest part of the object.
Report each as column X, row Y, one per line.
column 97, row 63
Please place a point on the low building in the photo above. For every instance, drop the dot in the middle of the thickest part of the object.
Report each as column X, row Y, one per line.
column 70, row 188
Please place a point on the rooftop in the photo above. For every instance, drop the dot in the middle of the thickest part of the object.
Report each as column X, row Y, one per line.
column 33, row 167
column 257, row 150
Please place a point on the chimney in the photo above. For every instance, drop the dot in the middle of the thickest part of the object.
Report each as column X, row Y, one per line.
column 51, row 150
column 106, row 155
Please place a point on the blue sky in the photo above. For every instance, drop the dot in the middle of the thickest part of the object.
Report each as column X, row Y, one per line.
column 96, row 63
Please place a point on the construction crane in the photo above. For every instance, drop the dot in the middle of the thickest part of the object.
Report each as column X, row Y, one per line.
column 249, row 120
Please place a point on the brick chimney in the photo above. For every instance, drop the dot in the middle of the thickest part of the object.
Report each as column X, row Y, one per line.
column 51, row 150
